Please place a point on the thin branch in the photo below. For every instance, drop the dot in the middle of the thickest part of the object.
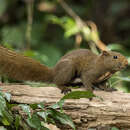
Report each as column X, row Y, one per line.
column 29, row 22
column 70, row 11
column 82, row 25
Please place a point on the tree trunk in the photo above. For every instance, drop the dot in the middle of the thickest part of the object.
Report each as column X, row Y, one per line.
column 113, row 110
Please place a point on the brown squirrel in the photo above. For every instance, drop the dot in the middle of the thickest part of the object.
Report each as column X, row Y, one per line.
column 81, row 63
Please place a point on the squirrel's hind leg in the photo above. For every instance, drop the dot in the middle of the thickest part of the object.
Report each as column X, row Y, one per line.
column 64, row 72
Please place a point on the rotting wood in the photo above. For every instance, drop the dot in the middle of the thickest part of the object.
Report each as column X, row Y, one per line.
column 113, row 110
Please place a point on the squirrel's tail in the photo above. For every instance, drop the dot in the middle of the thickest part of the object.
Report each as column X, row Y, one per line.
column 19, row 67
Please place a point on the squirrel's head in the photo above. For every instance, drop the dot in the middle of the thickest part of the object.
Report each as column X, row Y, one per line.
column 114, row 61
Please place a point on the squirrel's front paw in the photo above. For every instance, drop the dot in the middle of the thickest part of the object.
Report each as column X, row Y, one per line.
column 66, row 91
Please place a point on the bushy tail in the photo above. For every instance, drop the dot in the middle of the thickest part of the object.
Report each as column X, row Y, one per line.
column 19, row 67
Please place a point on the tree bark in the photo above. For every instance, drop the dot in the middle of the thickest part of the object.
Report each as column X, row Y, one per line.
column 113, row 110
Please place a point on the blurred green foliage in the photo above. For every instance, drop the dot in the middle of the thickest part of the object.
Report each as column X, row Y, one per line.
column 53, row 31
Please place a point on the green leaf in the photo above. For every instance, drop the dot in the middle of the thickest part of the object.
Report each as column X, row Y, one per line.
column 7, row 45
column 34, row 106
column 54, row 19
column 17, row 121
column 34, row 122
column 51, row 120
column 29, row 53
column 41, row 105
column 123, row 78
column 79, row 94
column 5, row 122
column 62, row 118
column 26, row 109
column 74, row 30
column 7, row 96
column 44, row 128
column 114, row 128
column 2, row 104
column 57, row 105
column 1, row 112
column 67, row 23
column 43, row 114
column 70, row 27
column 2, row 101
column 7, row 115
column 115, row 46
column 10, row 105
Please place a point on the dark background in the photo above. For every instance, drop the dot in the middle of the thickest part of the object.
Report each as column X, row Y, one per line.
column 49, row 40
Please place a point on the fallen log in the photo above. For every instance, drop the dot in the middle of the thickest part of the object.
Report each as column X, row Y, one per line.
column 113, row 110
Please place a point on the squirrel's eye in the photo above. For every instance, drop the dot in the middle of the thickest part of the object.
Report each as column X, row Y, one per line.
column 115, row 57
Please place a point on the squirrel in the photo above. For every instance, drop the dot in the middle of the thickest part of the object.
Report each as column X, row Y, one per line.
column 92, row 69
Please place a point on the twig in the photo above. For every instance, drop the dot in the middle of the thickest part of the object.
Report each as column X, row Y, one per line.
column 89, row 34
column 29, row 22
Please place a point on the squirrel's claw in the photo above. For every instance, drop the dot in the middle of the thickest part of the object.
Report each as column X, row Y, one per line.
column 66, row 91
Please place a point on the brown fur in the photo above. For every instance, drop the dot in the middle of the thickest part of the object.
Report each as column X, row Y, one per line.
column 20, row 67
column 80, row 63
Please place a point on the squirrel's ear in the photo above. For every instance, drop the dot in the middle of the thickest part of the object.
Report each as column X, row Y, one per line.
column 105, row 53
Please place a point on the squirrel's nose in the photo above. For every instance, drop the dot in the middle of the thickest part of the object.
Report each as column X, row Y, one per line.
column 126, row 63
